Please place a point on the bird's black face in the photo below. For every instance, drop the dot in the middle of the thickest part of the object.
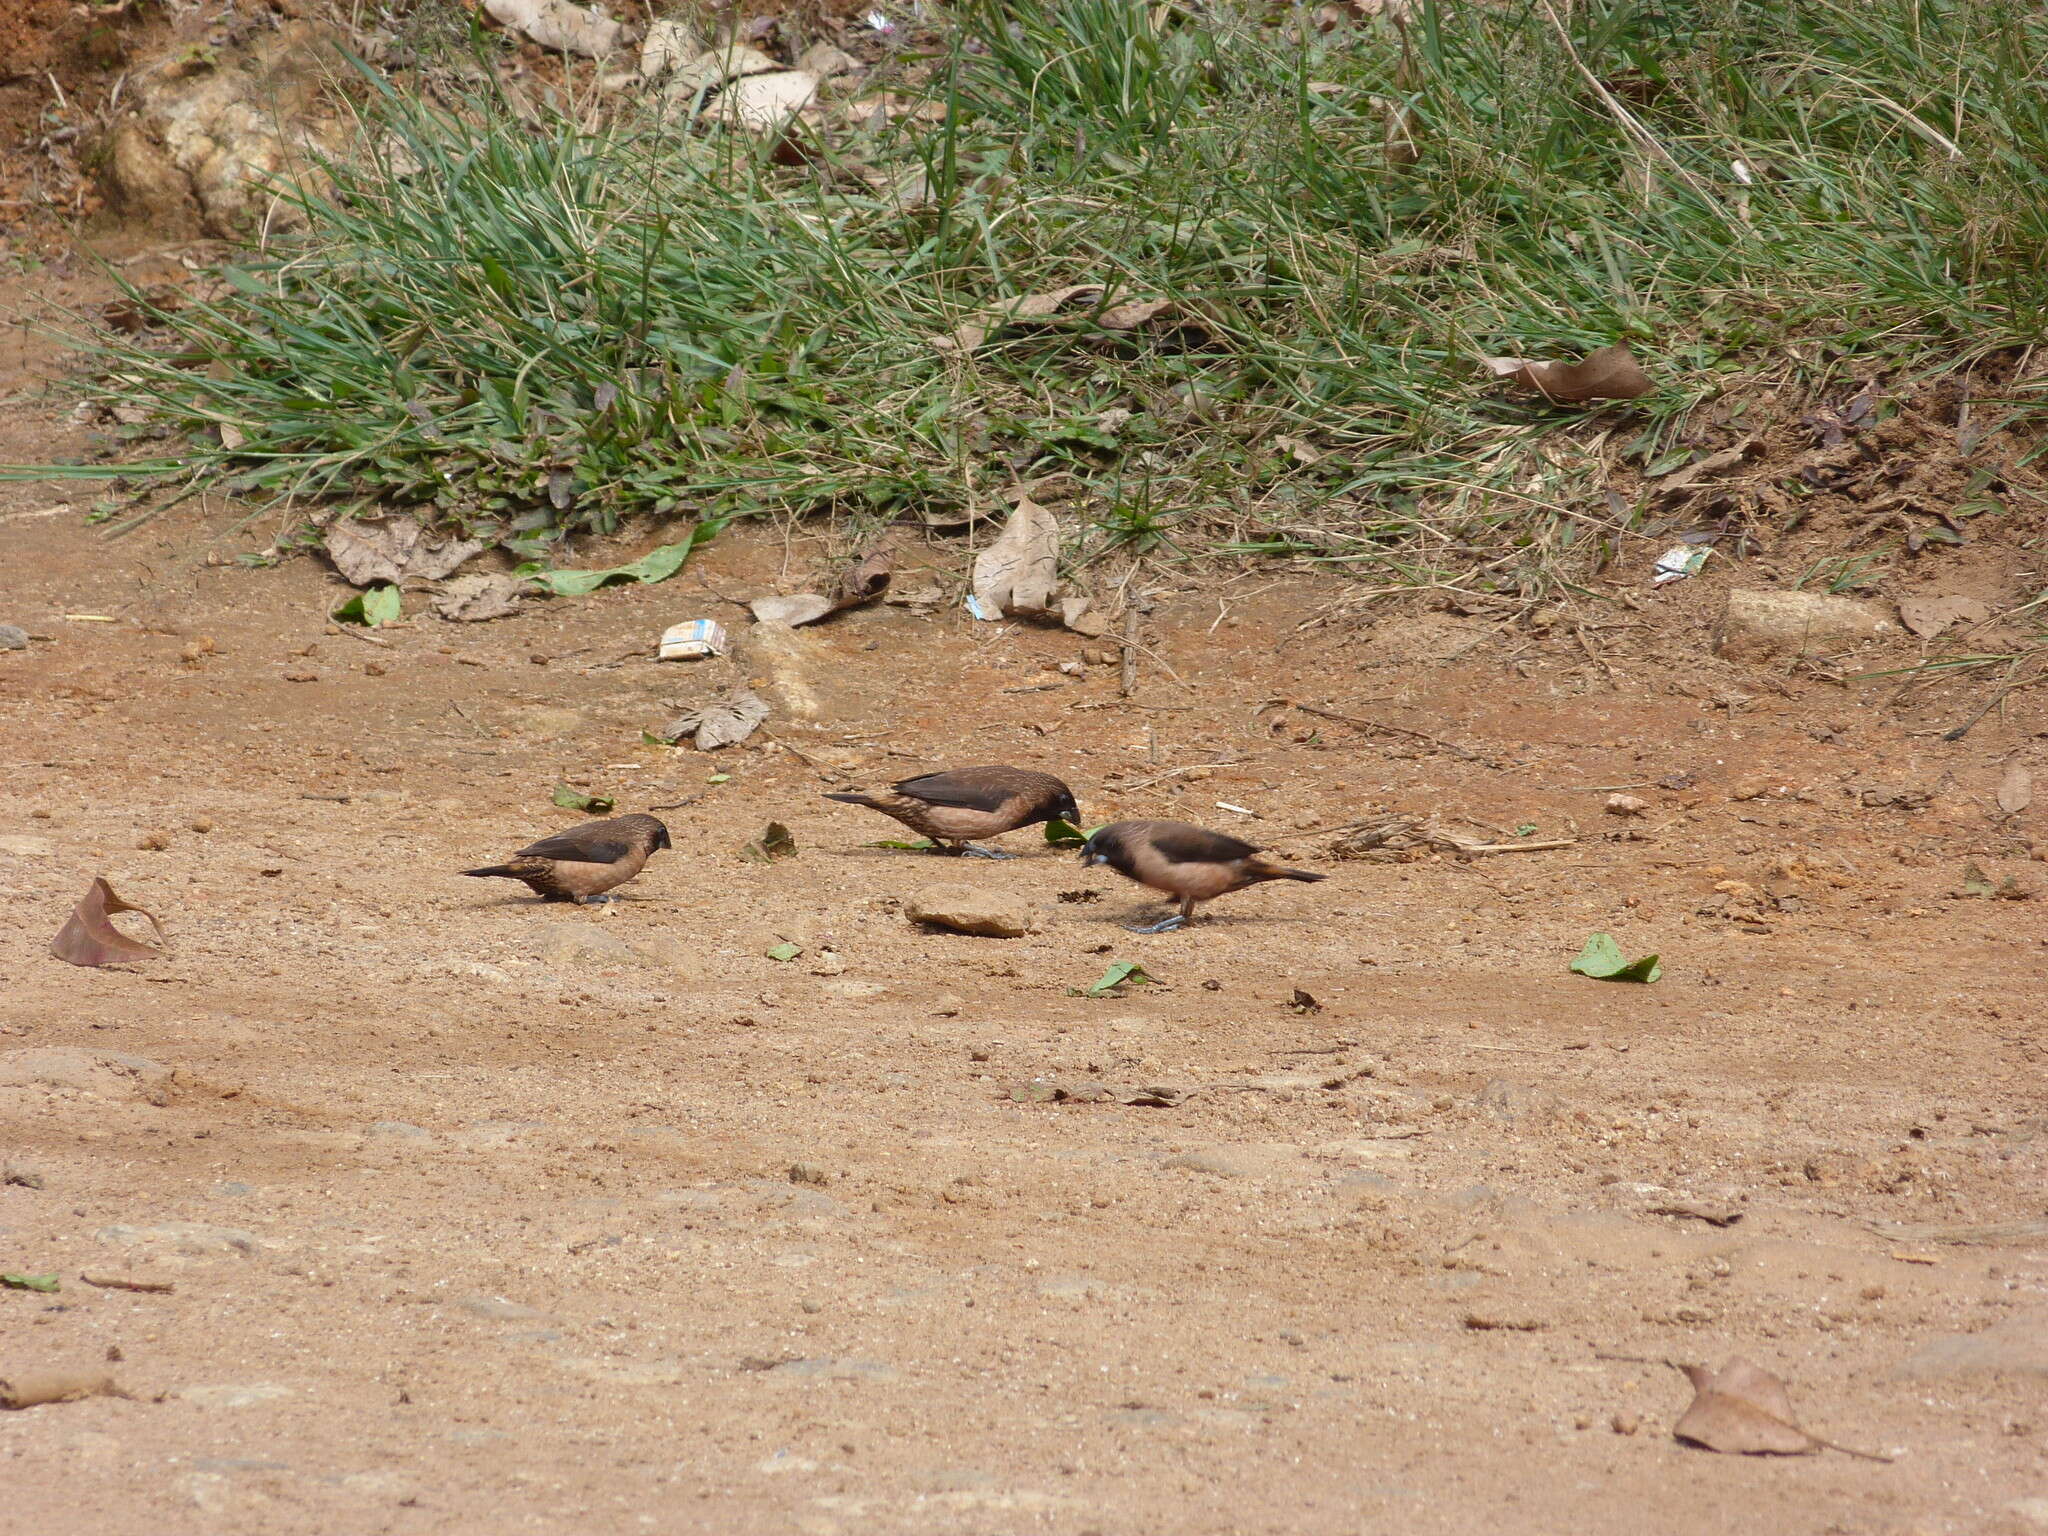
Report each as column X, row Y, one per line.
column 1067, row 811
column 1091, row 852
column 661, row 840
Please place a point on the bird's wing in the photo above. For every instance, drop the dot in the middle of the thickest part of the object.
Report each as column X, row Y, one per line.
column 969, row 789
column 1197, row 845
column 576, row 846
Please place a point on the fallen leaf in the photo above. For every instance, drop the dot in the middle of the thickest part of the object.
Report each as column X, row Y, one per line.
column 1728, row 458
column 1077, row 614
column 865, row 581
column 89, row 936
column 920, row 846
column 31, row 1282
column 473, row 599
column 1304, row 1002
column 723, row 722
column 1299, row 449
column 1128, row 317
column 801, row 608
column 1693, row 1210
column 765, row 101
column 575, row 800
column 34, row 1388
column 1611, row 373
column 1120, row 973
column 559, row 25
column 668, row 43
column 784, row 951
column 1602, row 960
column 1062, row 833
column 1929, row 616
column 713, row 67
column 394, row 550
column 972, row 332
column 2016, row 789
column 372, row 607
column 1019, row 571
column 775, row 842
column 657, row 564
column 1744, row 1410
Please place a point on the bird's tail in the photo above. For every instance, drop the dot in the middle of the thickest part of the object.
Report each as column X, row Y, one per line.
column 866, row 800
column 506, row 870
column 1266, row 869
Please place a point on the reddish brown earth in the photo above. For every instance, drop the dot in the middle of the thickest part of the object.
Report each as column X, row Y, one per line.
column 480, row 1215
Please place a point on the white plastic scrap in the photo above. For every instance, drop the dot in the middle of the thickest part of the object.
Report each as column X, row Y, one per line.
column 1679, row 562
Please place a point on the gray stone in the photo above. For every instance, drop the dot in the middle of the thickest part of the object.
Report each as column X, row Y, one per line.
column 1766, row 623
column 970, row 909
column 103, row 1074
column 191, row 1238
column 232, row 1396
column 2015, row 1347
column 13, row 638
column 230, row 1189
column 830, row 1369
column 497, row 1309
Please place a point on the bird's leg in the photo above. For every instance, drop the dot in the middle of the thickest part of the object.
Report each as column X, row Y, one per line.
column 976, row 851
column 1164, row 925
column 602, row 899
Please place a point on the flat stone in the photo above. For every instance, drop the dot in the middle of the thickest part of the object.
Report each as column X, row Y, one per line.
column 1766, row 623
column 569, row 944
column 830, row 1369
column 22, row 846
column 2015, row 1347
column 970, row 909
column 13, row 638
column 102, row 1074
column 232, row 1396
column 191, row 1238
column 497, row 1309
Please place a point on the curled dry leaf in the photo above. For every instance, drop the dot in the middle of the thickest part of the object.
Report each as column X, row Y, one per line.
column 392, row 551
column 89, row 936
column 713, row 67
column 1021, row 569
column 1612, row 373
column 559, row 25
column 723, row 722
column 1744, row 1410
column 31, row 1389
column 1929, row 616
column 972, row 332
column 473, row 599
column 668, row 45
column 1713, row 464
column 865, row 580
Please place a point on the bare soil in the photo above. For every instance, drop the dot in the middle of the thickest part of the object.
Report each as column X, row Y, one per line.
column 483, row 1215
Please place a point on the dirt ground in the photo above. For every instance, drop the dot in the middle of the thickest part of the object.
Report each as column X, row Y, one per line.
column 475, row 1215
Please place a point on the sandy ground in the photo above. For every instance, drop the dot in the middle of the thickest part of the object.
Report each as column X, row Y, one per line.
column 480, row 1215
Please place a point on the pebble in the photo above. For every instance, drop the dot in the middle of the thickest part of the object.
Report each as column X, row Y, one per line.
column 13, row 638
column 969, row 909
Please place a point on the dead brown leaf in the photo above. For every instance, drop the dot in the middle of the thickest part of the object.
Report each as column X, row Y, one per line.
column 1712, row 464
column 1743, row 1410
column 394, row 550
column 865, row 581
column 721, row 723
column 975, row 330
column 473, row 599
column 89, row 936
column 1612, row 373
column 2016, row 789
column 559, row 25
column 1929, row 616
column 1021, row 569
column 796, row 609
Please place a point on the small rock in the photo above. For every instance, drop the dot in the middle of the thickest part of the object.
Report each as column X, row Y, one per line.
column 1519, row 1103
column 497, row 1309
column 13, row 638
column 230, row 1189
column 2017, row 1347
column 1625, row 1423
column 969, row 909
column 1626, row 805
column 827, row 963
column 569, row 944
column 808, row 1173
column 1764, row 623
column 232, row 1396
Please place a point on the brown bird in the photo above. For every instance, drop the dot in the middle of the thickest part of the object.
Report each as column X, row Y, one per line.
column 963, row 803
column 1189, row 862
column 584, row 862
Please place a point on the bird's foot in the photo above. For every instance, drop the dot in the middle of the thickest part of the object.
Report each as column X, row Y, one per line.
column 598, row 901
column 976, row 851
column 1164, row 925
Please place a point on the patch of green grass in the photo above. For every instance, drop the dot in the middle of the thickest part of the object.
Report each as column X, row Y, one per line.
column 544, row 327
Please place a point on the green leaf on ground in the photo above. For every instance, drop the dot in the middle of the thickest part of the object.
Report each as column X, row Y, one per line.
column 1064, row 834
column 29, row 1282
column 575, row 800
column 649, row 739
column 775, row 842
column 922, row 845
column 371, row 607
column 785, row 951
column 657, row 564
column 1120, row 973
column 1602, row 960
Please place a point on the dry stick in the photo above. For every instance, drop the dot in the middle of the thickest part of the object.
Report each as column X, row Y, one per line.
column 1990, row 704
column 353, row 634
column 1127, row 679
column 793, row 751
column 1396, row 730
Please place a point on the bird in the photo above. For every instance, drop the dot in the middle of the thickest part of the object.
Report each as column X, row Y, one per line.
column 1189, row 862
column 583, row 862
column 959, row 804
